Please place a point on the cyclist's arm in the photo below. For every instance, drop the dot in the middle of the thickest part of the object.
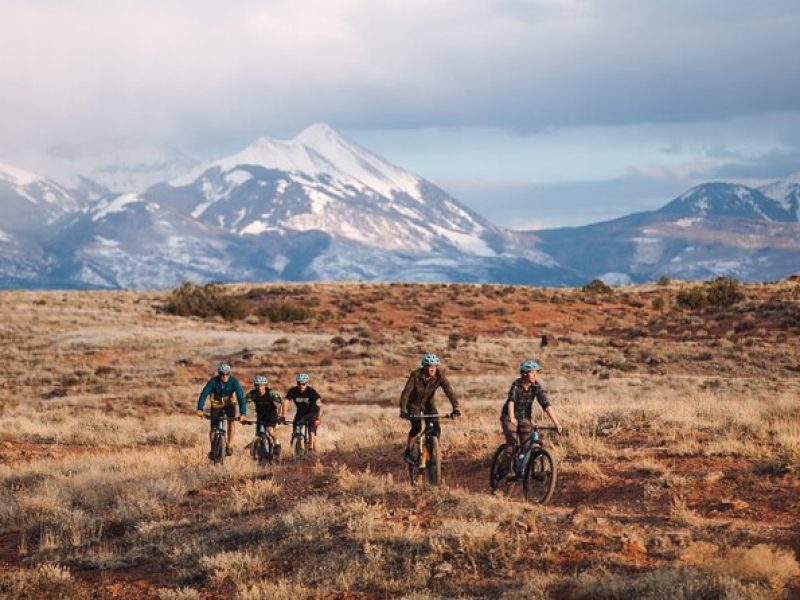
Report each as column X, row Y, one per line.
column 550, row 413
column 511, row 415
column 409, row 387
column 448, row 390
column 240, row 397
column 319, row 407
column 201, row 399
column 544, row 401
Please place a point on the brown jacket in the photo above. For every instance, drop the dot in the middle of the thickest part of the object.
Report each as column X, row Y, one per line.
column 418, row 392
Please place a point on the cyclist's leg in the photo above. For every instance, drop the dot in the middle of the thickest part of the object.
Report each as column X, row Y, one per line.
column 524, row 428
column 416, row 427
column 230, row 414
column 430, row 409
column 509, row 433
column 312, row 431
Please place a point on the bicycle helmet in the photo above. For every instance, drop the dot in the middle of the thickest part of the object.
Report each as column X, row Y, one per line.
column 260, row 380
column 223, row 368
column 430, row 359
column 528, row 366
column 302, row 378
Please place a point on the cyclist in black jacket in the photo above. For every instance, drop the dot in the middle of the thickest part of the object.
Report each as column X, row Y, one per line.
column 269, row 408
column 309, row 408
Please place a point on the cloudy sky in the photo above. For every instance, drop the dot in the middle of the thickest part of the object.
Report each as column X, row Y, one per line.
column 534, row 112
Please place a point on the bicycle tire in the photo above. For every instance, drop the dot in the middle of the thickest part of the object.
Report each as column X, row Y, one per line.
column 218, row 449
column 257, row 450
column 502, row 467
column 434, row 466
column 298, row 445
column 539, row 480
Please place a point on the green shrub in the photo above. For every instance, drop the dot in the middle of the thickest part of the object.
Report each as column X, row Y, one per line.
column 658, row 303
column 664, row 280
column 724, row 292
column 284, row 310
column 205, row 301
column 597, row 286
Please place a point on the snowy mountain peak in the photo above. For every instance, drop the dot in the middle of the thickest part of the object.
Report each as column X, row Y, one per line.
column 727, row 200
column 16, row 176
column 319, row 150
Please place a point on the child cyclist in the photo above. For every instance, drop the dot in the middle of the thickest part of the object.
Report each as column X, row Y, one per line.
column 269, row 409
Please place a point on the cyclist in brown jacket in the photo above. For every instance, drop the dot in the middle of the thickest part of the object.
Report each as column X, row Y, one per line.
column 418, row 399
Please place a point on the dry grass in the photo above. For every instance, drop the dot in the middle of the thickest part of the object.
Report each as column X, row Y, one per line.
column 671, row 440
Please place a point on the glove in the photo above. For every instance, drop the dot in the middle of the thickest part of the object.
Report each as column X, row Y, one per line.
column 201, row 414
column 455, row 414
column 403, row 414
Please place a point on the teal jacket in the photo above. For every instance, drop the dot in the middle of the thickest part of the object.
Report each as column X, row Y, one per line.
column 222, row 394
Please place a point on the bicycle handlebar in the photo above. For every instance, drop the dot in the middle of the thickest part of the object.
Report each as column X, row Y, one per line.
column 437, row 416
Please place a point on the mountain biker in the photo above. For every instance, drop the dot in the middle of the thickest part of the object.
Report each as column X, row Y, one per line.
column 418, row 398
column 222, row 388
column 516, row 416
column 269, row 404
column 309, row 408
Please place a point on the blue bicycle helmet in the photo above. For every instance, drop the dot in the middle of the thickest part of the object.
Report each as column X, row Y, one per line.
column 301, row 378
column 430, row 359
column 223, row 368
column 528, row 366
column 260, row 380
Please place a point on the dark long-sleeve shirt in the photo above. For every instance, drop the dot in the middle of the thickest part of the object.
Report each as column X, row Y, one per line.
column 222, row 393
column 419, row 390
column 523, row 400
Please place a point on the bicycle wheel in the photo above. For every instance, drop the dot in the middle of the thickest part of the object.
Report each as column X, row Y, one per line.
column 501, row 474
column 218, row 449
column 257, row 450
column 413, row 468
column 434, row 466
column 539, row 481
column 298, row 444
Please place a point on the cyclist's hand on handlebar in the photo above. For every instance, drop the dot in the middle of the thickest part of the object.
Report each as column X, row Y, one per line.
column 242, row 419
column 281, row 420
column 403, row 414
column 317, row 422
column 200, row 414
column 455, row 414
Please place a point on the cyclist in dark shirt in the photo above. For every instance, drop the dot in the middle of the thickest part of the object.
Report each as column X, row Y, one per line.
column 269, row 408
column 417, row 398
column 222, row 388
column 516, row 416
column 309, row 408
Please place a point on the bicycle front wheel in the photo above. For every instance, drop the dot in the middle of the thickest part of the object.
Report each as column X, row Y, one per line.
column 539, row 481
column 218, row 449
column 501, row 474
column 434, row 466
column 257, row 451
column 299, row 445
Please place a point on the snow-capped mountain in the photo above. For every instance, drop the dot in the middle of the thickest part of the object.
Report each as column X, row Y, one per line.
column 321, row 181
column 786, row 193
column 112, row 166
column 320, row 206
column 715, row 229
column 30, row 202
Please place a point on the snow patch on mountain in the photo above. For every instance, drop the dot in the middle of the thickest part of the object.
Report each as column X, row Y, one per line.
column 113, row 204
column 16, row 176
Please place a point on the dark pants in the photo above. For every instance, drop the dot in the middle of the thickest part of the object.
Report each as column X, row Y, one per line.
column 229, row 410
column 416, row 420
column 516, row 436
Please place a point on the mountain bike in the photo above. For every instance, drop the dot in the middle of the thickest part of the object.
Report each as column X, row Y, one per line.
column 426, row 453
column 529, row 464
column 263, row 447
column 219, row 439
column 300, row 440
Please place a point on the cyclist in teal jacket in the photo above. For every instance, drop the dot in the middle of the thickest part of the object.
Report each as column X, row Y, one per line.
column 222, row 388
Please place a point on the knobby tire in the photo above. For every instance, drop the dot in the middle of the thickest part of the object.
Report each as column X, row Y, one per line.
column 539, row 481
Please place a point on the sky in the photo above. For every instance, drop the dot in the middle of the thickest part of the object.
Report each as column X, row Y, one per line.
column 535, row 113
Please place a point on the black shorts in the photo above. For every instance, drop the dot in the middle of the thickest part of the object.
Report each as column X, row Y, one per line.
column 308, row 421
column 229, row 410
column 269, row 421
